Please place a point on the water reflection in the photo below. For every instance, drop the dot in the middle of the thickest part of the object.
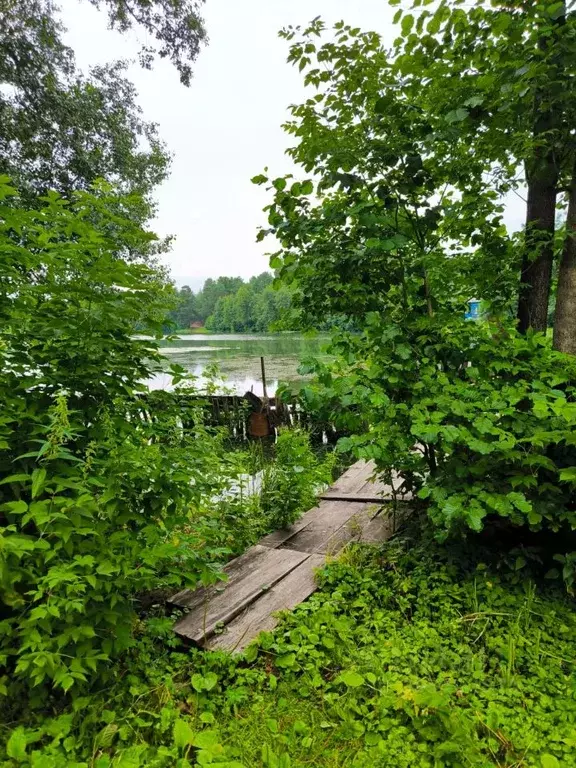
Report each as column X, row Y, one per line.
column 238, row 358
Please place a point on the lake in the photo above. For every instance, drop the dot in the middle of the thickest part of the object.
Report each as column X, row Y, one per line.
column 238, row 358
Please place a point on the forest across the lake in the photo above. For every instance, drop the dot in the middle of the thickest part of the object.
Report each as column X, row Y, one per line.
column 232, row 305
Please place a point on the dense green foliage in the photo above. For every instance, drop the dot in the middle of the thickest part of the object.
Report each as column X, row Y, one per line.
column 407, row 226
column 419, row 656
column 491, row 433
column 91, row 493
column 502, row 75
column 112, row 497
column 255, row 306
column 98, row 503
column 231, row 305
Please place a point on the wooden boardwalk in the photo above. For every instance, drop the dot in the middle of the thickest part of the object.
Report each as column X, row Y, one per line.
column 278, row 573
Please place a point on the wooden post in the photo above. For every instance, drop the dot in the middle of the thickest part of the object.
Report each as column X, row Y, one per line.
column 263, row 377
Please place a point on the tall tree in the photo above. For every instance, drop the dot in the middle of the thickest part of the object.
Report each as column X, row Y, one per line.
column 62, row 130
column 395, row 221
column 503, row 75
column 543, row 168
column 565, row 315
column 213, row 290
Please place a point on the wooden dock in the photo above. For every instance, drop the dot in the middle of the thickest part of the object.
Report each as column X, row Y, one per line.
column 278, row 573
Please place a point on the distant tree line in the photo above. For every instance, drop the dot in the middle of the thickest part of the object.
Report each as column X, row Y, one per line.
column 232, row 305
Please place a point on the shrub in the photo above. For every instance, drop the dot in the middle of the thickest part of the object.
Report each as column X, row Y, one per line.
column 267, row 488
column 479, row 424
column 94, row 492
column 290, row 484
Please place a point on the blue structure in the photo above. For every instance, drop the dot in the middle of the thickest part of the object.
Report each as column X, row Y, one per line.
column 473, row 312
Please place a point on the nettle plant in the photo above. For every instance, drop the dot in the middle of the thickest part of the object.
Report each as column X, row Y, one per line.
column 292, row 481
column 405, row 228
column 95, row 494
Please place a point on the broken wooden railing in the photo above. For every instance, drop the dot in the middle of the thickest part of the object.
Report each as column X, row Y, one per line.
column 244, row 416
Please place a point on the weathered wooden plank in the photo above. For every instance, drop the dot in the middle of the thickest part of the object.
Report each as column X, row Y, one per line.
column 260, row 616
column 235, row 570
column 278, row 537
column 278, row 572
column 382, row 488
column 367, row 489
column 220, row 607
column 352, row 530
column 386, row 523
column 329, row 518
column 354, row 478
column 379, row 529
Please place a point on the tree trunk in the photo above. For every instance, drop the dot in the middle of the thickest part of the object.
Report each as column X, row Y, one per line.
column 538, row 256
column 542, row 175
column 565, row 316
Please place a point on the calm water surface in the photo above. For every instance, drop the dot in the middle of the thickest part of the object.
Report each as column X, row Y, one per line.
column 238, row 358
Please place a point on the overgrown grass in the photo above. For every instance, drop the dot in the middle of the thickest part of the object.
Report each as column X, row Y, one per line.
column 419, row 656
column 416, row 655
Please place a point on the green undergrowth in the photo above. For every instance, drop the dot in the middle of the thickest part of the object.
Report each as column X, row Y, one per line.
column 413, row 655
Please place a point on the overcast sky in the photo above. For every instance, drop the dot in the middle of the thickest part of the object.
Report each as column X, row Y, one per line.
column 224, row 128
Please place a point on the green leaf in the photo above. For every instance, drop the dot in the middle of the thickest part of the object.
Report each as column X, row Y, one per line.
column 21, row 477
column 457, row 115
column 307, row 187
column 205, row 739
column 279, row 184
column 260, row 179
column 434, row 24
column 534, row 518
column 183, row 735
column 16, row 507
column 197, row 682
column 16, row 745
column 474, row 517
column 210, row 680
column 106, row 736
column 38, row 480
column 407, row 24
column 556, row 11
column 251, row 653
column 272, row 725
column 351, row 679
column 568, row 474
column 287, row 660
column 549, row 761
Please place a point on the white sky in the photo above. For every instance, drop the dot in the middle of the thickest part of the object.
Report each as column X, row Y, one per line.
column 225, row 128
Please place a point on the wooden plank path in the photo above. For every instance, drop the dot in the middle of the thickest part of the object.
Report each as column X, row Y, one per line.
column 278, row 573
